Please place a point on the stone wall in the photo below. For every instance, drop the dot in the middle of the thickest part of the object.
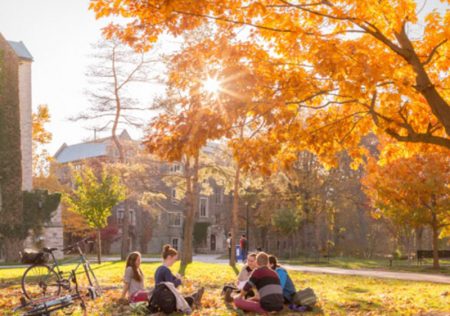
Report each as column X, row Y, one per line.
column 26, row 123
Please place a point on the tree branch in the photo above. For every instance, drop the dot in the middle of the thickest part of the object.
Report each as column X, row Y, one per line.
column 433, row 51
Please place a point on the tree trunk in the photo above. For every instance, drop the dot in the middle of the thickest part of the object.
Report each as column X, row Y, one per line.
column 235, row 216
column 435, row 229
column 192, row 206
column 424, row 86
column 99, row 246
column 125, row 247
column 419, row 235
column 12, row 246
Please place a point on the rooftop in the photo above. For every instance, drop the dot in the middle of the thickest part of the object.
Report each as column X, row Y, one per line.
column 21, row 50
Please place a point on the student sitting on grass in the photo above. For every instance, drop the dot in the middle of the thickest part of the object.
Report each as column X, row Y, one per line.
column 286, row 282
column 247, row 269
column 267, row 283
column 163, row 274
column 134, row 280
column 243, row 277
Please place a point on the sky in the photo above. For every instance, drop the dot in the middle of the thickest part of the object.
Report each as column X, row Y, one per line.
column 59, row 34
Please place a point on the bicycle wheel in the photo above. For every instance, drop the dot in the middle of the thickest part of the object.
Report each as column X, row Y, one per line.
column 40, row 281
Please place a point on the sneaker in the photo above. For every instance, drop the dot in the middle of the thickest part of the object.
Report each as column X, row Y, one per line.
column 228, row 297
column 298, row 308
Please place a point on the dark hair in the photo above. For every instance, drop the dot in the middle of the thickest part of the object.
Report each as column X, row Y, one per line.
column 168, row 251
column 273, row 262
column 131, row 262
column 243, row 235
column 229, row 234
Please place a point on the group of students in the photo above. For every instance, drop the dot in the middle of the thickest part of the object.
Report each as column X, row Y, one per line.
column 134, row 290
column 262, row 286
column 273, row 285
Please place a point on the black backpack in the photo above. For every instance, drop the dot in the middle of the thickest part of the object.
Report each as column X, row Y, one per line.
column 162, row 300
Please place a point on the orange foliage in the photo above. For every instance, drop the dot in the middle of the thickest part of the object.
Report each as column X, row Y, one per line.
column 322, row 74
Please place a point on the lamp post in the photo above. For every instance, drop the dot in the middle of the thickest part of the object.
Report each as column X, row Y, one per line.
column 247, row 227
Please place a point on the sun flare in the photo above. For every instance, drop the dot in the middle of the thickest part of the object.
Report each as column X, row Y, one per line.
column 212, row 85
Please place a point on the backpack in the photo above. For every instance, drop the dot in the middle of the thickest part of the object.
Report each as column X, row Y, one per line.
column 162, row 300
column 305, row 297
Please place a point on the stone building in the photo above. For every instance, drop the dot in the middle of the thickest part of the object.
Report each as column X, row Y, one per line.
column 52, row 233
column 151, row 229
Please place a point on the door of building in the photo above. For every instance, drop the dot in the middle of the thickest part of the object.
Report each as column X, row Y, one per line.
column 213, row 242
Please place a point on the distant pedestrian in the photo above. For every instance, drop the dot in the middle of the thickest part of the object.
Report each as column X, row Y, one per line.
column 243, row 244
column 229, row 244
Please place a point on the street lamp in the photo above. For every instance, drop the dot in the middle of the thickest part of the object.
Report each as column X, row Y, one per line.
column 247, row 227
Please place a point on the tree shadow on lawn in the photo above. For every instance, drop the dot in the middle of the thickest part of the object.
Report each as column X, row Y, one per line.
column 286, row 311
column 6, row 282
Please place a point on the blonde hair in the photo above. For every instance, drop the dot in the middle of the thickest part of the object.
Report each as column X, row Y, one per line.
column 262, row 259
column 168, row 251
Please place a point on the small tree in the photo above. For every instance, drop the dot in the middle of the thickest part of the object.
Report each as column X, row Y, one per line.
column 414, row 192
column 287, row 221
column 94, row 197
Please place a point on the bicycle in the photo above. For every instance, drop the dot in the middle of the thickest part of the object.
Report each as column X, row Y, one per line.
column 46, row 306
column 42, row 280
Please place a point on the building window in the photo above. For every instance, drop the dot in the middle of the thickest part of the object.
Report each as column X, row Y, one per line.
column 218, row 192
column 203, row 207
column 175, row 219
column 120, row 213
column 175, row 243
column 173, row 195
column 175, row 168
column 131, row 218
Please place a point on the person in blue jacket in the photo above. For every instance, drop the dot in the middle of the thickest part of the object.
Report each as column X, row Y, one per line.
column 286, row 282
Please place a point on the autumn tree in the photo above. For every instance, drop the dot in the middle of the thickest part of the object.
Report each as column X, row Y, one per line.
column 180, row 137
column 338, row 69
column 40, row 137
column 413, row 191
column 94, row 199
column 115, row 71
column 141, row 175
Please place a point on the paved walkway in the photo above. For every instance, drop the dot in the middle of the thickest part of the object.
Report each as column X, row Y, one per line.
column 408, row 276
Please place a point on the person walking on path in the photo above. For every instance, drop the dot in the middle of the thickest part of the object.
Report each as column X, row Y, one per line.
column 229, row 245
column 243, row 244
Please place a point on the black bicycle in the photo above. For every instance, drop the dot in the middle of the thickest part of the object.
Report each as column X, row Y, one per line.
column 43, row 280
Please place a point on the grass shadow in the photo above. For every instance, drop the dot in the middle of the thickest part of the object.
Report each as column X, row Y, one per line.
column 356, row 290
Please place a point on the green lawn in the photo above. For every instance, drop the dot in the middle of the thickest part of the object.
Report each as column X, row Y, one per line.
column 338, row 295
column 375, row 264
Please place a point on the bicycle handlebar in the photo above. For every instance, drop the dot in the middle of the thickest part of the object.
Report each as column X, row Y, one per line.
column 71, row 247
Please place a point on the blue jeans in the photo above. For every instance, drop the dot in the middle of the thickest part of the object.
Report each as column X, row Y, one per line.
column 244, row 255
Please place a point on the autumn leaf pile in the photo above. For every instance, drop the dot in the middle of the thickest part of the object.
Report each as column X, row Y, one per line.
column 338, row 295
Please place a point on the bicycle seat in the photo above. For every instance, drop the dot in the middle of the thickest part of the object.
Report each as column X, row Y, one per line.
column 49, row 250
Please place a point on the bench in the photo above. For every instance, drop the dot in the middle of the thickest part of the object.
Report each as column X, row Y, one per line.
column 428, row 254
column 391, row 258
